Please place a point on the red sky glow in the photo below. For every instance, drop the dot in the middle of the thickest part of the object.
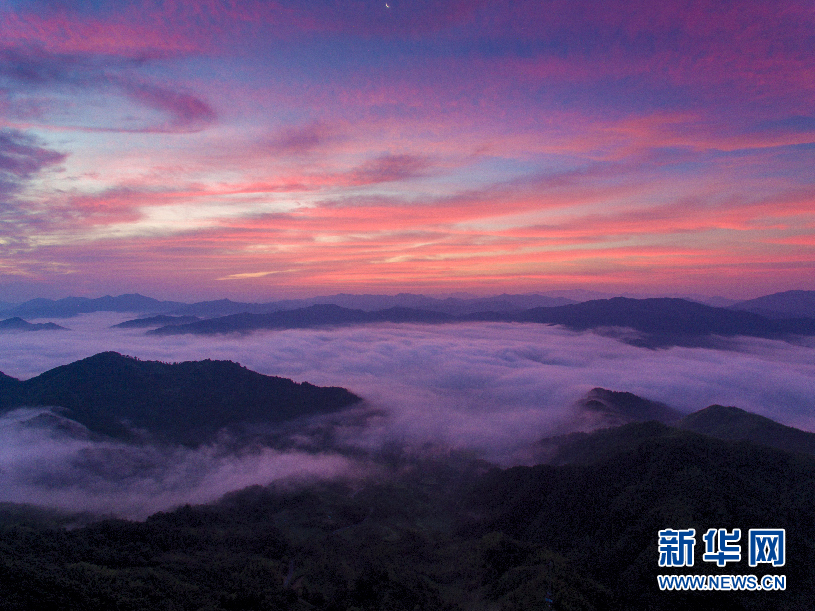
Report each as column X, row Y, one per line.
column 260, row 150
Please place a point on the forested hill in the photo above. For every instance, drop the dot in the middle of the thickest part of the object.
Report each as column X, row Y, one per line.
column 728, row 422
column 443, row 535
column 185, row 402
column 604, row 513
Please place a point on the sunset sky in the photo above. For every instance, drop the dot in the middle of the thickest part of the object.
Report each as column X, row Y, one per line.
column 260, row 150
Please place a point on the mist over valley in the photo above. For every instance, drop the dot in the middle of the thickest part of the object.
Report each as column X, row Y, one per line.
column 397, row 445
column 490, row 389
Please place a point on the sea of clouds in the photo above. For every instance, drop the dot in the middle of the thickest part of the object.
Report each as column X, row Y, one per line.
column 491, row 389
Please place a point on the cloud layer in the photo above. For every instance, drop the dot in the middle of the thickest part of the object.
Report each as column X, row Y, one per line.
column 490, row 389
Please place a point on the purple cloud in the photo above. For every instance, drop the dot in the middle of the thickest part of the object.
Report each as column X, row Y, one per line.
column 22, row 156
column 186, row 112
column 35, row 71
column 390, row 168
column 302, row 140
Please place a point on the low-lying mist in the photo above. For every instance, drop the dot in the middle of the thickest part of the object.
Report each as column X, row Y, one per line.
column 488, row 389
column 48, row 466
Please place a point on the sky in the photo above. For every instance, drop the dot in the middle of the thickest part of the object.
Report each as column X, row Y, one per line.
column 490, row 390
column 260, row 150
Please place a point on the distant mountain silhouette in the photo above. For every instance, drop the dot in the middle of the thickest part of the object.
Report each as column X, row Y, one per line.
column 185, row 402
column 662, row 321
column 370, row 303
column 655, row 322
column 789, row 304
column 155, row 321
column 312, row 316
column 18, row 324
column 658, row 322
column 221, row 307
column 659, row 315
column 71, row 306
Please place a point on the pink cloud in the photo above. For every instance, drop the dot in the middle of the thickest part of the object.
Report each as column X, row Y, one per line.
column 66, row 32
column 472, row 139
column 186, row 112
column 302, row 139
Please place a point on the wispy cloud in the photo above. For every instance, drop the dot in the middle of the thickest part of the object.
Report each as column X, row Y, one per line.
column 22, row 155
column 40, row 71
column 361, row 145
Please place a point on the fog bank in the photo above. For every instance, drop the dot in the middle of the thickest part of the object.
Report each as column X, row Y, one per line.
column 492, row 388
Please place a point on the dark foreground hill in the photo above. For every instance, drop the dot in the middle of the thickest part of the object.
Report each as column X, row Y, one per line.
column 732, row 423
column 612, row 408
column 448, row 534
column 615, row 408
column 185, row 402
column 604, row 515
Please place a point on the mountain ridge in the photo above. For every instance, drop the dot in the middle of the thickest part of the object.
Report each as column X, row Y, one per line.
column 135, row 302
column 624, row 417
column 18, row 324
column 658, row 322
column 116, row 395
column 735, row 424
column 787, row 304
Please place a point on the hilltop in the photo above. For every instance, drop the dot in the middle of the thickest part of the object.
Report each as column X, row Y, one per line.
column 186, row 402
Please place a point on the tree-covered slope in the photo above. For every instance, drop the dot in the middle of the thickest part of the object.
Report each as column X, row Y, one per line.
column 604, row 514
column 390, row 543
column 623, row 407
column 442, row 534
column 728, row 422
column 183, row 402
